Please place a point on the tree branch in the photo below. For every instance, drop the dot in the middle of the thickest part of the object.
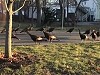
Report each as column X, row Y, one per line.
column 6, row 5
column 20, row 7
column 78, row 5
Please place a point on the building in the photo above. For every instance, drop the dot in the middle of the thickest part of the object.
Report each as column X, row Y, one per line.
column 94, row 10
column 97, row 14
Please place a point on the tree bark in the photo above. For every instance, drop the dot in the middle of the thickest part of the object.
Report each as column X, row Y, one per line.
column 8, row 40
column 2, row 10
column 67, row 12
column 77, row 9
column 38, row 5
column 44, row 3
column 61, row 2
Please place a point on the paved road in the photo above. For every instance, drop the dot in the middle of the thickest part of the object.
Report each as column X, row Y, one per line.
column 63, row 36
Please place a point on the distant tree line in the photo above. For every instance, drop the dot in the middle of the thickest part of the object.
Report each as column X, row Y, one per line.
column 41, row 5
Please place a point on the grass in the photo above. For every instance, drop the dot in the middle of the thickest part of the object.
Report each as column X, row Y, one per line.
column 58, row 59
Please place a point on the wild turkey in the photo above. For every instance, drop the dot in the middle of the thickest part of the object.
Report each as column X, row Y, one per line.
column 35, row 38
column 70, row 30
column 16, row 29
column 30, row 28
column 87, row 32
column 40, row 29
column 98, row 35
column 49, row 36
column 14, row 36
column 3, row 30
column 93, row 35
column 50, row 30
column 27, row 29
column 82, row 36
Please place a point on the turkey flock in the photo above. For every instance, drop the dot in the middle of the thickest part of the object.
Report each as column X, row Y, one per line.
column 49, row 36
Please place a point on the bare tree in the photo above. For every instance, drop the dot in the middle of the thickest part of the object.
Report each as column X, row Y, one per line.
column 44, row 3
column 78, row 7
column 10, row 12
column 73, row 18
column 67, row 12
column 38, row 6
column 62, row 7
column 1, row 9
column 2, row 15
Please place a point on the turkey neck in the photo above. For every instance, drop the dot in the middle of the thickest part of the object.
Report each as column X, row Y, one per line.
column 79, row 31
column 28, row 33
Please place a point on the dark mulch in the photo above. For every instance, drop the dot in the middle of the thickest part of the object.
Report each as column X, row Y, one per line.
column 17, row 60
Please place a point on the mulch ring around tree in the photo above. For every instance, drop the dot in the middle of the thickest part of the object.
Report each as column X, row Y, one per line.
column 17, row 60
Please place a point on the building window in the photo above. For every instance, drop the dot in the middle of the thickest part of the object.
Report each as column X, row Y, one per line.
column 84, row 3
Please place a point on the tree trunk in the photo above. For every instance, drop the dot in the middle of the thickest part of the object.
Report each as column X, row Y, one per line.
column 78, row 5
column 67, row 12
column 77, row 8
column 44, row 3
column 61, row 2
column 38, row 5
column 8, row 40
column 33, row 10
column 1, row 10
column 63, row 12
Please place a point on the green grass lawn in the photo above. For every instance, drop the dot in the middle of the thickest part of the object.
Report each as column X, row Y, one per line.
column 58, row 59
